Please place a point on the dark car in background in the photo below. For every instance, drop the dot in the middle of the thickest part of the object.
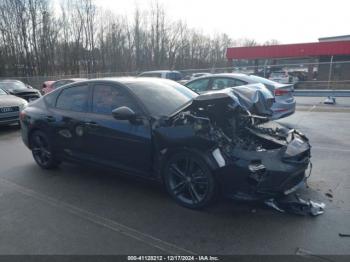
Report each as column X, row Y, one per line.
column 20, row 89
column 196, row 145
column 10, row 107
column 284, row 100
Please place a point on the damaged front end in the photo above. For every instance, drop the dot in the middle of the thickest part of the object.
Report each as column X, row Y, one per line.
column 252, row 158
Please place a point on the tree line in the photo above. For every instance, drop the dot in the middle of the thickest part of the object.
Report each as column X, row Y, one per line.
column 44, row 37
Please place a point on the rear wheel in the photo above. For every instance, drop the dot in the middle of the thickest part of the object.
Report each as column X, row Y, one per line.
column 42, row 151
column 189, row 180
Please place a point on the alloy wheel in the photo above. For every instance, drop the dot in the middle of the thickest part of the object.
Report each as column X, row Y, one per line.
column 188, row 181
column 40, row 149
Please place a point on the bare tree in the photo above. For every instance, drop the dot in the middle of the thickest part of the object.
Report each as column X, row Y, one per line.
column 79, row 37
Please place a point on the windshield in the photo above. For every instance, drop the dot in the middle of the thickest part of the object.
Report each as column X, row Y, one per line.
column 2, row 92
column 162, row 98
column 8, row 85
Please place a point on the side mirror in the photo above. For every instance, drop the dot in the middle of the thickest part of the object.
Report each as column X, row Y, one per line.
column 124, row 113
column 30, row 87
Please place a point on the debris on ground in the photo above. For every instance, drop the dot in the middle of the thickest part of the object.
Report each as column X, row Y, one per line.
column 330, row 100
column 302, row 252
column 329, row 195
column 344, row 235
column 296, row 206
column 310, row 255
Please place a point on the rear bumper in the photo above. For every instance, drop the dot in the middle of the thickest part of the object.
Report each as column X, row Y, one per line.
column 283, row 109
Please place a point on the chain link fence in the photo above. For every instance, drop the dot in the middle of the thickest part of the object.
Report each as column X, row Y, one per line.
column 316, row 75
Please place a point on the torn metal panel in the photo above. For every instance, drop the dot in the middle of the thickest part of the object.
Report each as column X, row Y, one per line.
column 296, row 206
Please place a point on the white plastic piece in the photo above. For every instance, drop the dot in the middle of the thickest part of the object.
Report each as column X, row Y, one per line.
column 330, row 100
column 219, row 158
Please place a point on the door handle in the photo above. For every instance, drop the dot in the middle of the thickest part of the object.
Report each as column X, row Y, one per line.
column 91, row 124
column 50, row 118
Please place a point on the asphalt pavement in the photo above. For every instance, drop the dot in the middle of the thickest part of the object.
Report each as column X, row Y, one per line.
column 80, row 210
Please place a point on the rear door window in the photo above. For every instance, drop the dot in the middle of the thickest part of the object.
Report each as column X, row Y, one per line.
column 74, row 98
column 200, row 85
column 224, row 82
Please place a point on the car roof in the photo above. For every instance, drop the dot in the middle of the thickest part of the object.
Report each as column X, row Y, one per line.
column 238, row 76
column 125, row 80
column 10, row 81
column 72, row 79
column 160, row 71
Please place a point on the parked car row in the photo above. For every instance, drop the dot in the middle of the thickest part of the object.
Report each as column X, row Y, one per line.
column 284, row 102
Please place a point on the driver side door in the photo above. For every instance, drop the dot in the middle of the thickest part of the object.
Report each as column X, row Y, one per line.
column 117, row 143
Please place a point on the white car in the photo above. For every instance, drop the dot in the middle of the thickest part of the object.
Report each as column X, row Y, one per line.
column 195, row 75
column 167, row 74
column 10, row 108
column 281, row 77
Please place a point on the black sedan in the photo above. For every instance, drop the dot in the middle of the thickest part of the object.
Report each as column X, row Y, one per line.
column 196, row 145
column 18, row 88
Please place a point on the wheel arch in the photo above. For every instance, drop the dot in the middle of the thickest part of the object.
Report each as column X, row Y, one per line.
column 30, row 134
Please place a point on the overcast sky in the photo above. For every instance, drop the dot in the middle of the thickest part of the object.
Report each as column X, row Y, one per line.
column 292, row 21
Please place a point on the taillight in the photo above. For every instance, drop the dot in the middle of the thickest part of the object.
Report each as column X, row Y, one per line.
column 281, row 92
column 22, row 115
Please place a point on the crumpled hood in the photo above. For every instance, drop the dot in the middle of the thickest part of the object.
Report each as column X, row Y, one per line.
column 255, row 98
column 23, row 91
column 10, row 100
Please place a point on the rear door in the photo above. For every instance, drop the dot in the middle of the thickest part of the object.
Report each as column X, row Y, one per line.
column 67, row 119
column 118, row 143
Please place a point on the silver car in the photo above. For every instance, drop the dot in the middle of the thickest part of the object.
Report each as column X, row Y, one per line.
column 10, row 107
column 283, row 106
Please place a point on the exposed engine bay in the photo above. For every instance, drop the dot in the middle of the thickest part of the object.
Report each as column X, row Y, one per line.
column 234, row 127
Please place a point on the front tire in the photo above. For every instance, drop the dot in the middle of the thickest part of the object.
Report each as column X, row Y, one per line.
column 189, row 181
column 42, row 151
